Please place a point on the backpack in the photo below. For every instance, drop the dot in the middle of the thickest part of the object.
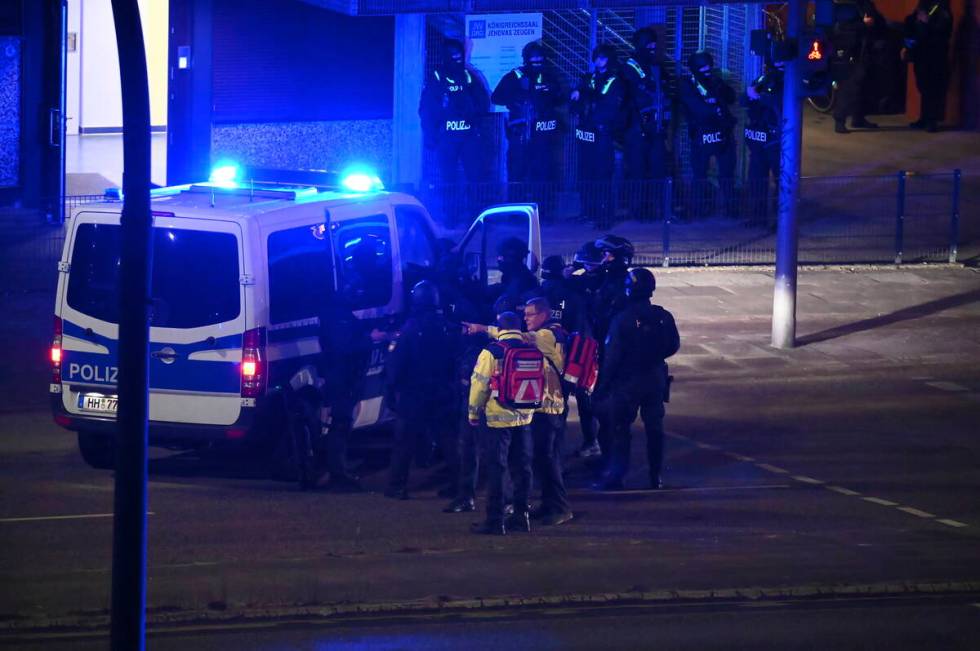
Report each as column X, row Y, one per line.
column 519, row 380
column 582, row 362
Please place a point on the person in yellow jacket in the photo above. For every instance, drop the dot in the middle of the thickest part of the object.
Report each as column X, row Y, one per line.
column 508, row 439
column 548, row 423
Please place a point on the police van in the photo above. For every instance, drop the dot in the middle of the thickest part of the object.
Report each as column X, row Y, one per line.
column 239, row 276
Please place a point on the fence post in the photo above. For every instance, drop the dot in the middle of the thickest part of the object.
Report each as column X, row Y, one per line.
column 668, row 208
column 954, row 221
column 900, row 218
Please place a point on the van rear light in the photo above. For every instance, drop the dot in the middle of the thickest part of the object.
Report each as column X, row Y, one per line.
column 56, row 351
column 253, row 363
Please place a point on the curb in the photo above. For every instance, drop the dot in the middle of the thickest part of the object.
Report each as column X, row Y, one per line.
column 163, row 619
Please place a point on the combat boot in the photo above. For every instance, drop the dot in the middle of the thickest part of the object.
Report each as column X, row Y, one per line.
column 519, row 522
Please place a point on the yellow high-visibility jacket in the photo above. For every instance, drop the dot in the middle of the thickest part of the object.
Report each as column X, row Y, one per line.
column 481, row 402
column 553, row 401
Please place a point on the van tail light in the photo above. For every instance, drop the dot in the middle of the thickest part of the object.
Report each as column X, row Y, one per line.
column 56, row 352
column 253, row 363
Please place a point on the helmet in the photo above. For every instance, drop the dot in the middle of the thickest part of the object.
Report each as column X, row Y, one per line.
column 513, row 248
column 604, row 50
column 699, row 60
column 532, row 49
column 425, row 295
column 453, row 52
column 552, row 267
column 644, row 36
column 640, row 284
column 588, row 255
column 620, row 248
column 504, row 303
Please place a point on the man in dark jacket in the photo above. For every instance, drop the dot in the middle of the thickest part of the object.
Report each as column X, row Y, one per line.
column 764, row 103
column 422, row 385
column 854, row 40
column 634, row 377
column 927, row 34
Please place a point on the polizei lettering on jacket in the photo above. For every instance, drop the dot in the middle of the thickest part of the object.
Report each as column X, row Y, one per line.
column 711, row 138
column 587, row 136
column 756, row 136
column 546, row 125
column 92, row 373
column 457, row 125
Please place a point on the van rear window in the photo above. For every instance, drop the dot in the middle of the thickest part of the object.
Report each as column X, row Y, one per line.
column 194, row 281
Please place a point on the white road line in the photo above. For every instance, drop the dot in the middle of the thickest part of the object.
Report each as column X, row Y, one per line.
column 741, row 457
column 808, row 480
column 842, row 490
column 707, row 446
column 878, row 500
column 953, row 523
column 698, row 489
column 88, row 516
column 915, row 511
column 775, row 469
column 948, row 386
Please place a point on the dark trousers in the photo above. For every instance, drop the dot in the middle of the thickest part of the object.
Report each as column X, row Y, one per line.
column 646, row 167
column 533, row 160
column 508, row 447
column 547, row 431
column 409, row 431
column 624, row 406
column 930, row 78
column 586, row 416
column 338, row 433
column 850, row 96
column 763, row 161
column 596, row 161
column 469, row 460
column 725, row 159
column 459, row 197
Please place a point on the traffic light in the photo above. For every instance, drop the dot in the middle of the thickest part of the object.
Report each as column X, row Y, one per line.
column 815, row 55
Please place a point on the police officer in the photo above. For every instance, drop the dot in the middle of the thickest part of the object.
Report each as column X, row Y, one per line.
column 533, row 95
column 649, row 86
column 508, row 439
column 566, row 300
column 421, row 385
column 588, row 259
column 764, row 103
column 517, row 281
column 634, row 377
column 927, row 33
column 706, row 99
column 598, row 103
column 853, row 39
column 453, row 107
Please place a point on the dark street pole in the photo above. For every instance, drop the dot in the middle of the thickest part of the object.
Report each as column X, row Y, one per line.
column 787, row 240
column 129, row 531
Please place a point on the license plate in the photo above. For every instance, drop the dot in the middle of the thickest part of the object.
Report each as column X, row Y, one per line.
column 98, row 402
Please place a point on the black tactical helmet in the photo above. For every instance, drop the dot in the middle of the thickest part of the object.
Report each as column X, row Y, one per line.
column 699, row 60
column 454, row 52
column 640, row 284
column 643, row 37
column 620, row 248
column 588, row 255
column 605, row 50
column 553, row 267
column 513, row 248
column 532, row 49
column 425, row 296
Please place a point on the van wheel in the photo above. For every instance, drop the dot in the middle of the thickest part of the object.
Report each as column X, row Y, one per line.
column 98, row 450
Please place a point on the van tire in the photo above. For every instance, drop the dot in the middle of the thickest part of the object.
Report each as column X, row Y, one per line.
column 98, row 450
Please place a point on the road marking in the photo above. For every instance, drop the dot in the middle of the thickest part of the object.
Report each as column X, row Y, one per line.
column 88, row 516
column 953, row 523
column 843, row 491
column 808, row 480
column 738, row 457
column 878, row 500
column 948, row 386
column 915, row 511
column 706, row 446
column 696, row 489
column 775, row 469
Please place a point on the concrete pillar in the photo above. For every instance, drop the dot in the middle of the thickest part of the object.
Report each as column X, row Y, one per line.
column 406, row 130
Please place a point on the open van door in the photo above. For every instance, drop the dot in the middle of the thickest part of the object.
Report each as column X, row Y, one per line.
column 494, row 225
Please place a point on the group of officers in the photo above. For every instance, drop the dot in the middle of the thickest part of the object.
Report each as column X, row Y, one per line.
column 443, row 360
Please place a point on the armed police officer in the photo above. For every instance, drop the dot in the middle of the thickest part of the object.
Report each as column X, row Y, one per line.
column 853, row 40
column 453, row 107
column 421, row 385
column 927, row 33
column 706, row 99
column 533, row 94
column 649, row 85
column 598, row 103
column 634, row 377
column 764, row 103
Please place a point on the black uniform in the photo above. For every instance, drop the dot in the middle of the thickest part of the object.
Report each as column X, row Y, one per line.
column 762, row 136
column 633, row 379
column 706, row 99
column 853, row 40
column 927, row 42
column 600, row 118
column 533, row 96
column 422, row 388
column 608, row 300
column 649, row 85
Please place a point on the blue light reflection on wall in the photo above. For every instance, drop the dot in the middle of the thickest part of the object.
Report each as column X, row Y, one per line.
column 10, row 81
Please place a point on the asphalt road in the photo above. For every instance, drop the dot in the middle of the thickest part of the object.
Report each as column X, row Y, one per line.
column 850, row 463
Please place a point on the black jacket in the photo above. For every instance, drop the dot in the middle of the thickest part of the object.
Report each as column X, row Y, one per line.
column 649, row 86
column 765, row 114
column 450, row 99
column 640, row 338
column 600, row 102
column 420, row 373
column 928, row 42
column 703, row 114
column 532, row 96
